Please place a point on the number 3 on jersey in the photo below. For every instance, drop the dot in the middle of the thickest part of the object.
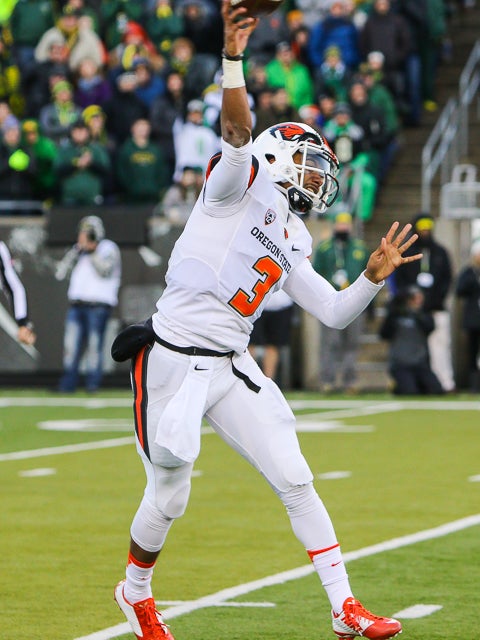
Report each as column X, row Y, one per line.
column 271, row 272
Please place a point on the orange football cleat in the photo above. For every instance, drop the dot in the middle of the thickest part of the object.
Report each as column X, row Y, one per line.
column 354, row 620
column 146, row 622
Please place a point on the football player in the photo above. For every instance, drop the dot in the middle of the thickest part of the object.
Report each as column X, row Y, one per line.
column 244, row 240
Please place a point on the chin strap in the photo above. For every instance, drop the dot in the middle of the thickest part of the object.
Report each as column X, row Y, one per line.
column 298, row 201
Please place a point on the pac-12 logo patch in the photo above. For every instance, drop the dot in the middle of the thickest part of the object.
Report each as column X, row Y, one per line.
column 270, row 216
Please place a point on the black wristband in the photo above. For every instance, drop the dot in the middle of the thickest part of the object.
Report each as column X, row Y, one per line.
column 232, row 58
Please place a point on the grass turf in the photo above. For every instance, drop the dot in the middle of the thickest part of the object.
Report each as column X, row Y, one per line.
column 65, row 535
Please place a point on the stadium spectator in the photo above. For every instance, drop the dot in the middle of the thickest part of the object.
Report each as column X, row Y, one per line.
column 340, row 259
column 39, row 78
column 5, row 112
column 310, row 114
column 164, row 111
column 18, row 168
column 88, row 12
column 380, row 97
column 407, row 326
column 82, row 168
column 44, row 150
column 279, row 110
column 93, row 266
column 30, row 19
column 333, row 76
column 434, row 275
column 95, row 119
column 14, row 289
column 285, row 71
column 124, row 108
column 180, row 197
column 141, row 170
column 90, row 85
column 336, row 29
column 195, row 142
column 358, row 184
column 57, row 117
column 387, row 31
column 467, row 289
column 271, row 30
column 163, row 24
column 430, row 46
column 313, row 10
column 299, row 40
column 78, row 39
column 10, row 89
column 135, row 44
column 149, row 85
column 115, row 16
column 326, row 103
column 372, row 120
column 256, row 78
column 202, row 25
column 197, row 69
column 415, row 14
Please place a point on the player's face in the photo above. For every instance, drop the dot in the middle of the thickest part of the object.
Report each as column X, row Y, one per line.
column 314, row 165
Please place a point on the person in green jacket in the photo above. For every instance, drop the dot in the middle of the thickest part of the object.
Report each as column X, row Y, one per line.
column 340, row 259
column 81, row 167
column 141, row 168
column 285, row 71
column 28, row 22
column 44, row 151
column 358, row 183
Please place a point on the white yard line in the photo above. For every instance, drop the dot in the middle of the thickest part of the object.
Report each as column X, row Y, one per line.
column 68, row 448
column 220, row 597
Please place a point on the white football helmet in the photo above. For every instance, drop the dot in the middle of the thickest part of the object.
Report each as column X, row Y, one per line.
column 275, row 149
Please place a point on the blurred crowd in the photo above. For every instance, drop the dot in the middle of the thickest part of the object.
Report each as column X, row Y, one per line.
column 118, row 100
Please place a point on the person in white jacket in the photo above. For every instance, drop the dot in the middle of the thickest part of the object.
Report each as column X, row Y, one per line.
column 74, row 32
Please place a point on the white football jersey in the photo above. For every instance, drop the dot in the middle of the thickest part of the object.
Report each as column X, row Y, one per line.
column 239, row 246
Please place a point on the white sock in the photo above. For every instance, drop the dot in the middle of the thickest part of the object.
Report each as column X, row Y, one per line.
column 331, row 570
column 138, row 585
column 312, row 525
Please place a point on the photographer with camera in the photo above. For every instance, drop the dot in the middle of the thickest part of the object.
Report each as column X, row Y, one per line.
column 94, row 266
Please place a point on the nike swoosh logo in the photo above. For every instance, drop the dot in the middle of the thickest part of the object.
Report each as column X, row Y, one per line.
column 334, row 564
column 197, row 368
column 294, row 248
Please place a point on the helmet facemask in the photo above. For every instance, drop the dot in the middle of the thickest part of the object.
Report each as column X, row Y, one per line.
column 289, row 152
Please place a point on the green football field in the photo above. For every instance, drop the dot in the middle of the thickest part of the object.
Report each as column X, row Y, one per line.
column 401, row 480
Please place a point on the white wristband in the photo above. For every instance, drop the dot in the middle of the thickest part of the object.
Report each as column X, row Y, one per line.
column 232, row 74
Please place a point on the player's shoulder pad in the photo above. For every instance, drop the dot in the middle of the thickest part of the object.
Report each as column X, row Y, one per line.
column 214, row 160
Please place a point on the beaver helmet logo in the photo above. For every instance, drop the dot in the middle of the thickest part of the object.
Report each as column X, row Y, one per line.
column 288, row 131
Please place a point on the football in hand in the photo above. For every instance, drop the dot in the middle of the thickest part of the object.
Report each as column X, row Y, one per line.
column 257, row 8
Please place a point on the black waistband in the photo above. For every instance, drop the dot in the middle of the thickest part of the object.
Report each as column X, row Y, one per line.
column 194, row 351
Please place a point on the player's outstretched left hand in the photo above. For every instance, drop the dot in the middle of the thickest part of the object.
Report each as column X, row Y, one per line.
column 389, row 254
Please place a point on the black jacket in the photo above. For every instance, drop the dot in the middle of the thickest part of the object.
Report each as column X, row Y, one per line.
column 468, row 288
column 436, row 262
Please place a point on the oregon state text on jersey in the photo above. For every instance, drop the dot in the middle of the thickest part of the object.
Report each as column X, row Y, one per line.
column 239, row 246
